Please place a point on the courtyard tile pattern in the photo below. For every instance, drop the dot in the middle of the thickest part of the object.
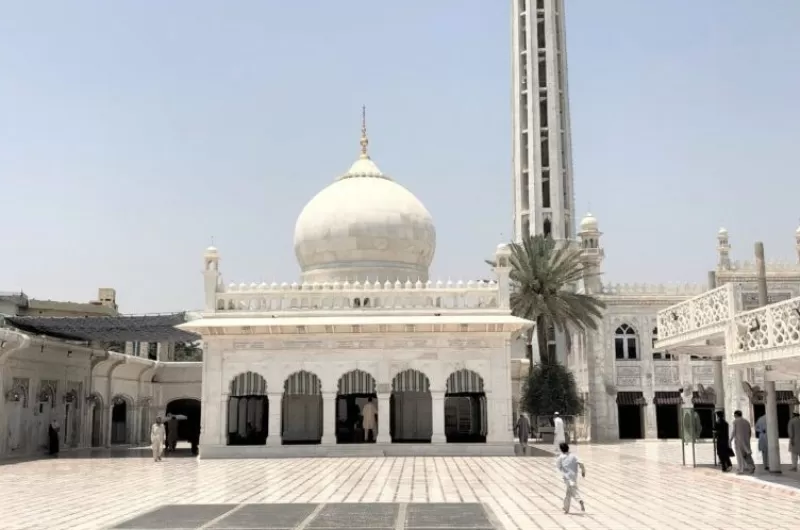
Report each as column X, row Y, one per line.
column 627, row 487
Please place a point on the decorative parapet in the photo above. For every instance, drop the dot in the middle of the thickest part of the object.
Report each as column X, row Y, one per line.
column 357, row 296
column 750, row 266
column 768, row 327
column 669, row 289
column 698, row 317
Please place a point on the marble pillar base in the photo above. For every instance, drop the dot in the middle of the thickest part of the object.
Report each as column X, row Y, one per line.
column 354, row 450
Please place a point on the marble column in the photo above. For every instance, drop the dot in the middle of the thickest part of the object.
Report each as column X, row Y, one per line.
column 218, row 434
column 437, row 417
column 329, row 418
column 650, row 419
column 719, row 385
column 109, row 423
column 384, row 417
column 274, row 434
column 773, row 442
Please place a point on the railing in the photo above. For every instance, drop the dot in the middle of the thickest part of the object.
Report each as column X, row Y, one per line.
column 357, row 296
column 687, row 289
column 709, row 309
column 772, row 326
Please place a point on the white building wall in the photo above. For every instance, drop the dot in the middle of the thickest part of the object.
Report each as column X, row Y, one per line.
column 437, row 356
column 84, row 380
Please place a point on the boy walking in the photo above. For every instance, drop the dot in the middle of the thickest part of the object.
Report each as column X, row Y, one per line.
column 568, row 465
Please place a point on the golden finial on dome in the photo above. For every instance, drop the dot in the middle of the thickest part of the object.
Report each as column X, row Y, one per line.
column 364, row 139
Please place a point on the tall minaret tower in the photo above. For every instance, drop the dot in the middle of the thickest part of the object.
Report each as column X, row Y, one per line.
column 723, row 250
column 542, row 149
column 211, row 278
column 797, row 243
column 592, row 254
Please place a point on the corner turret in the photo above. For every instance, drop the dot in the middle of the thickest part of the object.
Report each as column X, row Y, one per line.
column 723, row 250
column 211, row 278
column 592, row 254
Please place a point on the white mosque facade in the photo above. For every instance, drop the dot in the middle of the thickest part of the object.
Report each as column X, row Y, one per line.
column 296, row 364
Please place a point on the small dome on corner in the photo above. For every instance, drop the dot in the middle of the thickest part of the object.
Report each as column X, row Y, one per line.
column 211, row 251
column 589, row 223
column 503, row 248
column 723, row 231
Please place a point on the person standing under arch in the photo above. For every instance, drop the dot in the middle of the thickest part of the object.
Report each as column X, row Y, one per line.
column 369, row 420
column 158, row 436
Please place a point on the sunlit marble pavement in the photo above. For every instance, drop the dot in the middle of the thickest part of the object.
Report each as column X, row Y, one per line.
column 627, row 486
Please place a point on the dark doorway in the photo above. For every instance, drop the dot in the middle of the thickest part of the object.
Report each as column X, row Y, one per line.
column 248, row 418
column 349, row 420
column 667, row 421
column 464, row 417
column 784, row 415
column 630, row 422
column 706, row 415
column 119, row 423
column 188, row 429
column 97, row 425
column 411, row 417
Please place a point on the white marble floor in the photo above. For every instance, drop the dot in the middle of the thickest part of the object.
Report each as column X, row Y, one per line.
column 627, row 486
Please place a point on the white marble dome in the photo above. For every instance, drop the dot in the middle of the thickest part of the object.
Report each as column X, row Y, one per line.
column 364, row 227
column 589, row 223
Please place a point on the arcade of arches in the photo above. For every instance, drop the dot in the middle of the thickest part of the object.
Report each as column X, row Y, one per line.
column 358, row 412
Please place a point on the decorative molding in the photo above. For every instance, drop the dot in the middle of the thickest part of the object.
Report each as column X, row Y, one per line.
column 628, row 376
column 369, row 296
column 703, row 373
column 48, row 389
column 666, row 374
column 20, row 387
column 70, row 396
column 431, row 341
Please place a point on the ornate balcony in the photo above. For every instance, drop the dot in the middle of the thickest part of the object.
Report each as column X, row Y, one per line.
column 698, row 320
column 767, row 335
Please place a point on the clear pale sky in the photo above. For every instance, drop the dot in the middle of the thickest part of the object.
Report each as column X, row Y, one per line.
column 131, row 132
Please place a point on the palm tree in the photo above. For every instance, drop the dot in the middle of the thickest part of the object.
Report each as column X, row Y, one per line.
column 542, row 278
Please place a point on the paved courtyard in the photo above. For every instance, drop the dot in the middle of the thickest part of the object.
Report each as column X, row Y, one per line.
column 627, row 486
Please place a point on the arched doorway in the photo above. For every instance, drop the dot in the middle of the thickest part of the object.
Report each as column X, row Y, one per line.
column 356, row 389
column 465, row 419
column 119, row 420
column 301, row 417
column 189, row 428
column 248, row 410
column 96, row 420
column 411, row 414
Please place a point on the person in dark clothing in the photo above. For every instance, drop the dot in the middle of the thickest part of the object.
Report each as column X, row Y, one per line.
column 52, row 433
column 724, row 451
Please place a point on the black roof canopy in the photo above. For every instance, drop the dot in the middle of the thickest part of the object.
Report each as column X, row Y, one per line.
column 121, row 328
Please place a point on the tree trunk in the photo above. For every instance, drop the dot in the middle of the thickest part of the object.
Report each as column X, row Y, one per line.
column 541, row 340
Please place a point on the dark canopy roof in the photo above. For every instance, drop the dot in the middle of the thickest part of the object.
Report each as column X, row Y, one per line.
column 121, row 328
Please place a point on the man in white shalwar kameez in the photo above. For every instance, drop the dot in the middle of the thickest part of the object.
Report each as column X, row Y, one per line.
column 369, row 421
column 558, row 433
column 568, row 464
column 158, row 435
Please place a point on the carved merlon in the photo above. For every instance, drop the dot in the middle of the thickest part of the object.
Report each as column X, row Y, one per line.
column 346, row 296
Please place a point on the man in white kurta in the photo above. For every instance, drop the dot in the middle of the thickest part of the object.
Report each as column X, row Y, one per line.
column 794, row 440
column 158, row 435
column 369, row 420
column 559, row 437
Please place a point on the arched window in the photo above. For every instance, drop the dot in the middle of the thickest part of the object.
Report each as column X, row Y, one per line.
column 659, row 356
column 625, row 343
